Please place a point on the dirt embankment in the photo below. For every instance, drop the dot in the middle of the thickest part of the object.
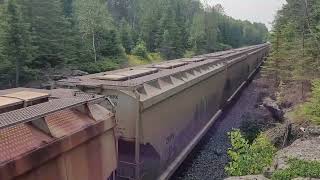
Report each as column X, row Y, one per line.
column 262, row 106
column 295, row 137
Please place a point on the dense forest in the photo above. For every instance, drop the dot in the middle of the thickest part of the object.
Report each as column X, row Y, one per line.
column 296, row 41
column 291, row 79
column 38, row 36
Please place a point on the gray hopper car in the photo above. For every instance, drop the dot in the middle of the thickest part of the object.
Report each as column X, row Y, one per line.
column 163, row 110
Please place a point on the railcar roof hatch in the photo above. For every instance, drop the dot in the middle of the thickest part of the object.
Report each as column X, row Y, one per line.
column 19, row 98
column 194, row 60
column 6, row 102
column 27, row 95
column 169, row 65
column 127, row 75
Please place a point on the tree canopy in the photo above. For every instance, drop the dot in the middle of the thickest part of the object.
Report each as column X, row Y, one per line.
column 97, row 35
column 296, row 41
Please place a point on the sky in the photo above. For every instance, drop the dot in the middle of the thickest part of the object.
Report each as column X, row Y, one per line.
column 262, row 11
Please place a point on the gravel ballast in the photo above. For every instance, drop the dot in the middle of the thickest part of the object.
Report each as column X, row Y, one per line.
column 208, row 159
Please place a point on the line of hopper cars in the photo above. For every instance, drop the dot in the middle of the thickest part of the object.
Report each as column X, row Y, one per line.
column 163, row 109
column 160, row 111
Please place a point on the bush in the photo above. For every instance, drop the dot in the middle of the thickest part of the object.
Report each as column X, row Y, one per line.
column 223, row 47
column 298, row 168
column 137, row 60
column 155, row 57
column 100, row 66
column 189, row 54
column 140, row 50
column 249, row 159
column 251, row 127
column 311, row 109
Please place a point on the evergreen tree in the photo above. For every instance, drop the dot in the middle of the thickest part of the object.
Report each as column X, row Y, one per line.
column 171, row 44
column 68, row 8
column 108, row 44
column 295, row 38
column 167, row 48
column 198, row 34
column 16, row 38
column 50, row 32
column 78, row 33
column 126, row 35
column 150, row 30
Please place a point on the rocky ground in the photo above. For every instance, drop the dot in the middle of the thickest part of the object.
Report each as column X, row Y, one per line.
column 209, row 158
column 305, row 148
column 50, row 76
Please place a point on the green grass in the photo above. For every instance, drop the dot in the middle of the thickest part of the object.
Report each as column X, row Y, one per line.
column 189, row 54
column 137, row 60
column 298, row 168
column 310, row 110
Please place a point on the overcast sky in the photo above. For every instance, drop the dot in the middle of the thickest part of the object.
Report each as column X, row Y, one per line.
column 253, row 10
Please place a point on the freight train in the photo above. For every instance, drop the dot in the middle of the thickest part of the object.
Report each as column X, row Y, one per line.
column 162, row 110
column 137, row 123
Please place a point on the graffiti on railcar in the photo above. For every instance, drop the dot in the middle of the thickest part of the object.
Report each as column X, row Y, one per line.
column 171, row 147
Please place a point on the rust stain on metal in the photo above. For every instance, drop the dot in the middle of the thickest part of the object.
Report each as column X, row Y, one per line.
column 17, row 140
column 65, row 122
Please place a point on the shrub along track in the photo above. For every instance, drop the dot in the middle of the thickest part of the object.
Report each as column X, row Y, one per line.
column 208, row 159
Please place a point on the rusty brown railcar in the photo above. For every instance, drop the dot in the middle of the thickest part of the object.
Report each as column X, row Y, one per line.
column 163, row 110
column 55, row 135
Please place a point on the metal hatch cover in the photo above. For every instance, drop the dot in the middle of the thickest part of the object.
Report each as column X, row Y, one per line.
column 6, row 102
column 127, row 75
column 194, row 59
column 27, row 95
column 169, row 65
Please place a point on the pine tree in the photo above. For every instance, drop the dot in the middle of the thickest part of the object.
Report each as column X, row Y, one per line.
column 68, row 8
column 150, row 28
column 198, row 34
column 211, row 26
column 17, row 38
column 126, row 35
column 71, row 33
column 294, row 38
column 6, row 67
column 167, row 48
column 108, row 44
column 50, row 32
column 171, row 45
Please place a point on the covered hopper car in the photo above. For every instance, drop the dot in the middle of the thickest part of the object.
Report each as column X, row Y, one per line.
column 56, row 135
column 162, row 110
